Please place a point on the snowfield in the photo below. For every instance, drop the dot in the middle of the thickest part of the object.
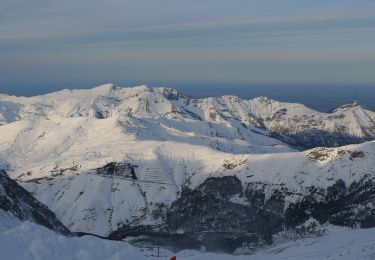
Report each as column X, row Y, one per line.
column 26, row 240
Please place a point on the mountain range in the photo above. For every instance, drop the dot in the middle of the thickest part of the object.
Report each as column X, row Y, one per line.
column 141, row 162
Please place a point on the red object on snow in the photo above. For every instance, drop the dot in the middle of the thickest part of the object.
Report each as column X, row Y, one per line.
column 173, row 258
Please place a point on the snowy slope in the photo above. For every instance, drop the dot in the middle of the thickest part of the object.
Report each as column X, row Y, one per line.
column 141, row 113
column 29, row 241
column 26, row 240
column 92, row 203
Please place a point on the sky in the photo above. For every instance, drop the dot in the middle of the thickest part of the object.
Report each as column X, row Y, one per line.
column 47, row 45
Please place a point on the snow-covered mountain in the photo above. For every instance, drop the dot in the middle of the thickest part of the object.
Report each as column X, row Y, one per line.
column 183, row 189
column 348, row 124
column 138, row 113
column 140, row 161
column 210, row 120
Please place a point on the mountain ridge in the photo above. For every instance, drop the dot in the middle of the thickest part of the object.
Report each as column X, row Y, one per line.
column 109, row 89
column 350, row 123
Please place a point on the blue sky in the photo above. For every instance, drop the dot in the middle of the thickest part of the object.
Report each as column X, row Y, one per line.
column 78, row 42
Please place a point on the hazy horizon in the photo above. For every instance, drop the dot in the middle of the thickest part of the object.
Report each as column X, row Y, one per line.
column 320, row 53
column 321, row 97
column 44, row 43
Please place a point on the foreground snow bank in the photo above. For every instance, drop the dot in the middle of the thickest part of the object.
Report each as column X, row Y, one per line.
column 25, row 240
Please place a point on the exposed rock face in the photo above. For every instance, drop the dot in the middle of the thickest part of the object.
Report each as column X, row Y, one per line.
column 348, row 124
column 125, row 170
column 218, row 215
column 219, row 205
column 311, row 138
column 222, row 209
column 352, row 206
column 19, row 202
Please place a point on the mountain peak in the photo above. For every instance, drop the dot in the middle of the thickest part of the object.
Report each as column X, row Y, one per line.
column 104, row 89
column 143, row 88
column 347, row 106
column 169, row 93
column 262, row 99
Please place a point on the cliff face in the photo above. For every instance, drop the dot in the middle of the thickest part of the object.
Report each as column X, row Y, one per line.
column 17, row 201
column 348, row 124
column 221, row 209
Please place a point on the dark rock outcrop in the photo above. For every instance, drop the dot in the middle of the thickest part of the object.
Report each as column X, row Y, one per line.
column 125, row 170
column 311, row 138
column 223, row 214
column 17, row 201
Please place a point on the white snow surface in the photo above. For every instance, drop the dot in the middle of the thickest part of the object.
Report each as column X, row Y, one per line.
column 138, row 113
column 221, row 116
column 29, row 241
column 350, row 119
column 51, row 145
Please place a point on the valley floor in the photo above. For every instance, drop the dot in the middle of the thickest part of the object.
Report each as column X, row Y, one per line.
column 25, row 240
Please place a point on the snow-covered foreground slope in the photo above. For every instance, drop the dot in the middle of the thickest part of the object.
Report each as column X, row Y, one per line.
column 25, row 240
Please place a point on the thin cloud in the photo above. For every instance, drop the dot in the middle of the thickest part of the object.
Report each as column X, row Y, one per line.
column 182, row 40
